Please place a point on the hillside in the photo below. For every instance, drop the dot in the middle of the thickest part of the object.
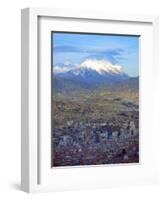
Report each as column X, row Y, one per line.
column 65, row 85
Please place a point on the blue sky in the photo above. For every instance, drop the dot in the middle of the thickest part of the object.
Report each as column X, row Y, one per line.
column 75, row 48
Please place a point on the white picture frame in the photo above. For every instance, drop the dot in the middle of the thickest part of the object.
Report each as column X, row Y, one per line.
column 36, row 172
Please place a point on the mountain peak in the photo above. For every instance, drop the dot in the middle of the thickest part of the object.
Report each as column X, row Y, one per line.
column 101, row 66
column 93, row 72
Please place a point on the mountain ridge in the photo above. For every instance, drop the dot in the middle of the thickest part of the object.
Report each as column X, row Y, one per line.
column 93, row 72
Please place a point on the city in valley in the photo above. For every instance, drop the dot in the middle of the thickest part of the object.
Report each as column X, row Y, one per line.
column 96, row 127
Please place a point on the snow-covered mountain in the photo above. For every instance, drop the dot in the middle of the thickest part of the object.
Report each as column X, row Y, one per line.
column 101, row 66
column 93, row 72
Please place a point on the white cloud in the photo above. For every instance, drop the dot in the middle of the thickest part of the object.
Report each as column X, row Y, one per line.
column 59, row 69
column 67, row 63
column 65, row 67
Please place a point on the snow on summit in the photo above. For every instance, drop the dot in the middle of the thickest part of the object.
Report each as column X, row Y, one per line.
column 101, row 66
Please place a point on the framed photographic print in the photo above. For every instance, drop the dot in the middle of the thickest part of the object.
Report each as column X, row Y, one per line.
column 95, row 102
column 86, row 97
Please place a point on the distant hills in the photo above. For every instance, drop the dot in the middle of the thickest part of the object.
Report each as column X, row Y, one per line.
column 131, row 84
column 64, row 85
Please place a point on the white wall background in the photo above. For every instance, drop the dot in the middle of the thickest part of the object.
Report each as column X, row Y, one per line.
column 10, row 97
